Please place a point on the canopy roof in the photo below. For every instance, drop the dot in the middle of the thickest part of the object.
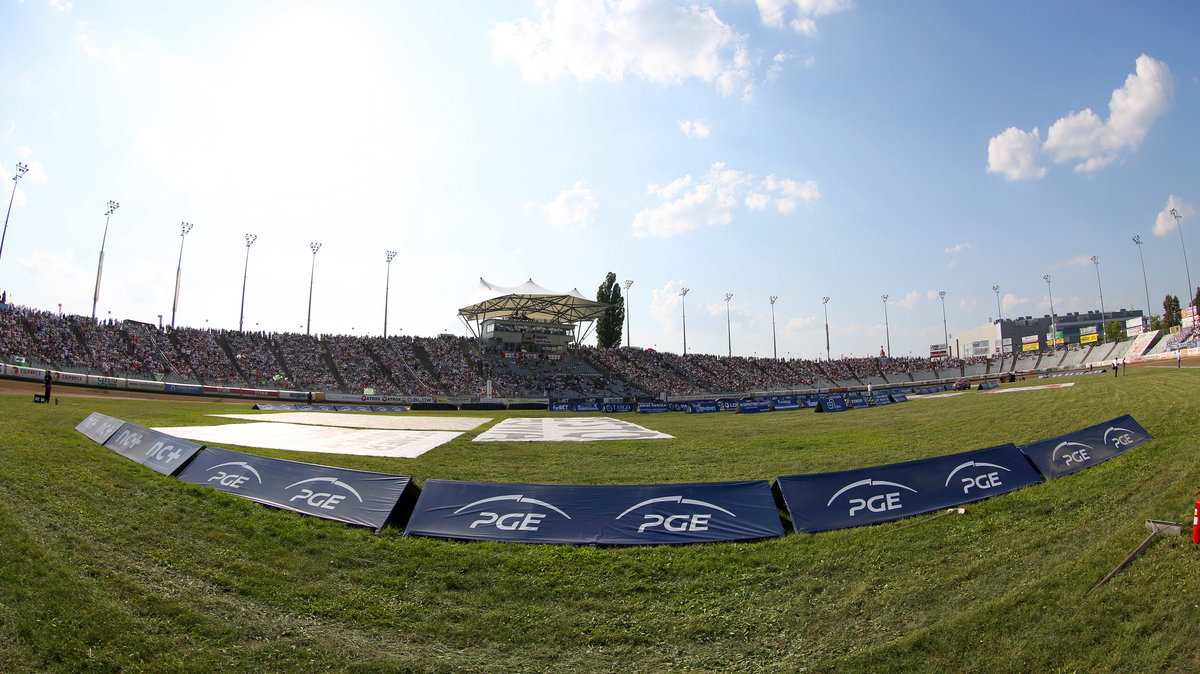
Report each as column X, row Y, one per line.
column 531, row 301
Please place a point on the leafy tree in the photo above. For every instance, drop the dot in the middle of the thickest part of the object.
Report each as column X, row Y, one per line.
column 1172, row 313
column 1113, row 331
column 610, row 325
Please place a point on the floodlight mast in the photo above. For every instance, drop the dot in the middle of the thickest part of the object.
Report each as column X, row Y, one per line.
column 945, row 330
column 1053, row 318
column 728, row 325
column 311, row 276
column 1137, row 238
column 825, row 305
column 184, row 228
column 683, row 303
column 1191, row 288
column 112, row 208
column 21, row 169
column 887, row 331
column 628, row 323
column 386, row 287
column 1096, row 261
column 774, row 344
column 250, row 239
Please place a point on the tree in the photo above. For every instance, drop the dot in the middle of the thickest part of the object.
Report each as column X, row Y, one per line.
column 610, row 325
column 1113, row 331
column 1172, row 314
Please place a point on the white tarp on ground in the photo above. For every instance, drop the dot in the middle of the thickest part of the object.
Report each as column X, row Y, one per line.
column 1031, row 388
column 575, row 429
column 302, row 438
column 346, row 420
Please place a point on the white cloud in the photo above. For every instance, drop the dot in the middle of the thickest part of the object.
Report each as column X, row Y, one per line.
column 1165, row 223
column 951, row 264
column 664, row 306
column 1011, row 301
column 967, row 306
column 571, row 210
column 1079, row 260
column 909, row 301
column 713, row 199
column 1014, row 153
column 1083, row 136
column 1132, row 110
column 958, row 248
column 796, row 326
column 695, row 128
column 932, row 295
column 651, row 39
column 803, row 13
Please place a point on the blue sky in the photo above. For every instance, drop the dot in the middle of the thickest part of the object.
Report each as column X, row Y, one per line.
column 789, row 148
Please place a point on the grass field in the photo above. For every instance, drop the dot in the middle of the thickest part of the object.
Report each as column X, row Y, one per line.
column 105, row 565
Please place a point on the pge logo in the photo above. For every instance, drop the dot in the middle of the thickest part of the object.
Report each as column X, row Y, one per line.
column 877, row 503
column 980, row 478
column 323, row 499
column 1072, row 453
column 234, row 479
column 676, row 522
column 510, row 521
column 1121, row 437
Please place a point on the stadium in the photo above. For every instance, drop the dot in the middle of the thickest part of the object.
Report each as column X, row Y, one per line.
column 958, row 443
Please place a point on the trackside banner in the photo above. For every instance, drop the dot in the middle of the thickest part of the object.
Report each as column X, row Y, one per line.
column 157, row 451
column 653, row 408
column 340, row 494
column 753, row 406
column 1065, row 454
column 786, row 403
column 703, row 407
column 852, row 498
column 831, row 403
column 99, row 427
column 614, row 408
column 650, row 514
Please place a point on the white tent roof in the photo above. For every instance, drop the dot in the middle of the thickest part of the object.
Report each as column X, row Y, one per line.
column 532, row 301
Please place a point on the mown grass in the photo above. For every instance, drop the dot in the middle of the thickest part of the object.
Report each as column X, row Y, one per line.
column 105, row 565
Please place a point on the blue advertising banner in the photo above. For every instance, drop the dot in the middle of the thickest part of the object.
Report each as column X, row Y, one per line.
column 388, row 408
column 560, row 407
column 1066, row 454
column 193, row 389
column 354, row 408
column 703, row 407
column 652, row 408
column 275, row 407
column 316, row 408
column 650, row 514
column 679, row 407
column 852, row 498
column 858, row 402
column 990, row 384
column 881, row 398
column 339, row 494
column 754, row 406
column 832, row 403
column 616, row 408
column 898, row 397
column 99, row 427
column 786, row 403
column 157, row 451
column 810, row 401
column 587, row 407
column 729, row 405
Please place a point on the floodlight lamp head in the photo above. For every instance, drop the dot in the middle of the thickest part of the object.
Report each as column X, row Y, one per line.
column 942, row 294
column 773, row 298
column 184, row 228
column 728, row 296
column 391, row 254
column 628, row 282
column 315, row 247
column 684, row 291
column 112, row 206
column 250, row 239
column 884, row 298
column 1046, row 278
column 21, row 169
column 996, row 289
column 1095, row 259
column 1175, row 214
column 824, row 300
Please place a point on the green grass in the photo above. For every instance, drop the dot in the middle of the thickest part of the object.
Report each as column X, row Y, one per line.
column 105, row 565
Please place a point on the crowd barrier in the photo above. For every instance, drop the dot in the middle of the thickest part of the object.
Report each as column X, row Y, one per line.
column 620, row 514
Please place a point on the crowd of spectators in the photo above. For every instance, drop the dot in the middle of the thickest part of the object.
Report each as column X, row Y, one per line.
column 436, row 366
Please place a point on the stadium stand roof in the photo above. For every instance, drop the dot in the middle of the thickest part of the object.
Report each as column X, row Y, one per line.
column 531, row 301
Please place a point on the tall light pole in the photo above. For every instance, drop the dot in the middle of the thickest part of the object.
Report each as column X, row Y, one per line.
column 1191, row 288
column 184, row 228
column 1053, row 319
column 825, row 306
column 683, row 303
column 21, row 169
column 112, row 207
column 774, row 344
column 250, row 239
column 999, row 318
column 945, row 330
column 311, row 275
column 887, row 331
column 1096, row 261
column 387, row 283
column 628, row 332
column 1138, row 240
column 728, row 325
